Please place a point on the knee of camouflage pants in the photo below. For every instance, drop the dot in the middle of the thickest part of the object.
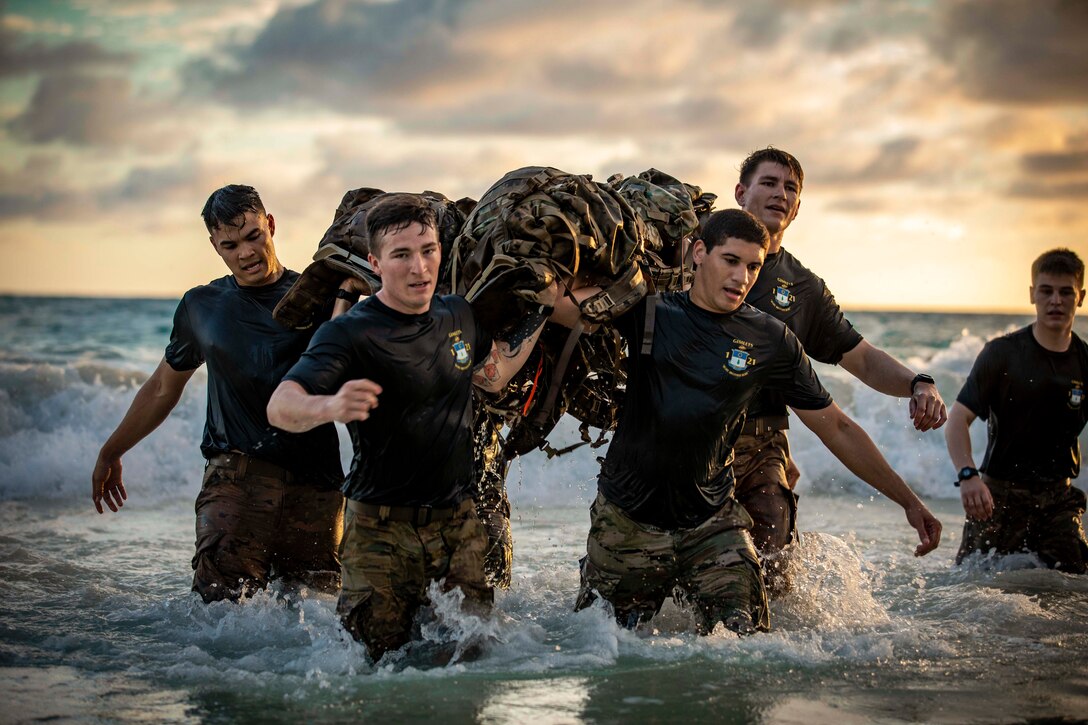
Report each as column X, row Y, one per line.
column 235, row 522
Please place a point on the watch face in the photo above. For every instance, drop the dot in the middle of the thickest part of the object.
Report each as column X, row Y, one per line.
column 966, row 473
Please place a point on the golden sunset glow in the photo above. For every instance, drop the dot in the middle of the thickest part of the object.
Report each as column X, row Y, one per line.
column 945, row 144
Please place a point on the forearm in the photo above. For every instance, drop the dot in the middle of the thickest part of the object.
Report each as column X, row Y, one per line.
column 879, row 370
column 957, row 437
column 293, row 409
column 853, row 447
column 504, row 361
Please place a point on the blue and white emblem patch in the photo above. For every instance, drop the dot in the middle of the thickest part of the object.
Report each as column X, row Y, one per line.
column 460, row 351
column 739, row 360
column 782, row 297
column 1076, row 395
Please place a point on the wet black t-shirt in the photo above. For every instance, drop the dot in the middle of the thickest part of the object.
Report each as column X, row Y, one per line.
column 231, row 329
column 415, row 449
column 1033, row 401
column 669, row 462
column 788, row 291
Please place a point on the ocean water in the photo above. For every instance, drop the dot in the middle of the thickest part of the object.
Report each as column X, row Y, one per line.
column 98, row 625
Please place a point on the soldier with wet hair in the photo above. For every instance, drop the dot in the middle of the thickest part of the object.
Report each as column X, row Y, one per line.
column 665, row 516
column 770, row 188
column 1029, row 387
column 398, row 370
column 270, row 504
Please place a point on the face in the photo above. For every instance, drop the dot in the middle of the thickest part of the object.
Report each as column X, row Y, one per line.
column 248, row 250
column 1056, row 298
column 773, row 196
column 725, row 273
column 407, row 261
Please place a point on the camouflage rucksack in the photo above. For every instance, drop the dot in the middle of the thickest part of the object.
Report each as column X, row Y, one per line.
column 343, row 250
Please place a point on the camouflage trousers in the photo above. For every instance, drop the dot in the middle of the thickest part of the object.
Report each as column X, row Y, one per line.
column 492, row 504
column 713, row 566
column 1046, row 520
column 387, row 567
column 254, row 525
column 759, row 465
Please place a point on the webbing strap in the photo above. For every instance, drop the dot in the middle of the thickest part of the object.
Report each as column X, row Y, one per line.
column 648, row 329
column 560, row 370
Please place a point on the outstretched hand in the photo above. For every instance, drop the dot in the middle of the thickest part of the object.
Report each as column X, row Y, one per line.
column 106, row 483
column 927, row 526
column 927, row 409
column 978, row 502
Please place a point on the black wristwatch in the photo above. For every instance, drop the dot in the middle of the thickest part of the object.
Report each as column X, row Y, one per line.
column 343, row 294
column 921, row 378
column 965, row 473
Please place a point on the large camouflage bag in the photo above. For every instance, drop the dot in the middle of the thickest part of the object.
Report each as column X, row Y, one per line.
column 343, row 249
column 539, row 223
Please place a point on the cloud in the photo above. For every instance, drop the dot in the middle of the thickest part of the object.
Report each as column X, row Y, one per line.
column 79, row 109
column 20, row 58
column 1055, row 162
column 1016, row 52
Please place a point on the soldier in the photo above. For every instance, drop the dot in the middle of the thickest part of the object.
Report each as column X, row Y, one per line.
column 410, row 518
column 270, row 503
column 1029, row 386
column 665, row 515
column 770, row 188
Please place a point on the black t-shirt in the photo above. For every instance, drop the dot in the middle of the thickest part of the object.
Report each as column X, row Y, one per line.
column 415, row 449
column 231, row 328
column 1033, row 401
column 788, row 291
column 669, row 462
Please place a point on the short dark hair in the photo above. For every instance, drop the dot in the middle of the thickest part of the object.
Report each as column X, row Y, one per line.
column 1059, row 261
column 736, row 223
column 395, row 212
column 778, row 156
column 231, row 202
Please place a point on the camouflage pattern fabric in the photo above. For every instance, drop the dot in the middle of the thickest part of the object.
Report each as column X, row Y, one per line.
column 252, row 528
column 634, row 567
column 759, row 465
column 1046, row 520
column 343, row 249
column 492, row 504
column 388, row 565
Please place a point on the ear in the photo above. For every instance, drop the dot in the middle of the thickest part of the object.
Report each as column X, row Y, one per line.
column 739, row 192
column 1031, row 294
column 1080, row 300
column 271, row 225
column 698, row 251
column 796, row 209
column 374, row 263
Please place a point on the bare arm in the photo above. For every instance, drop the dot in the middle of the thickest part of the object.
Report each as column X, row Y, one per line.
column 507, row 356
column 853, row 447
column 351, row 285
column 883, row 373
column 153, row 402
column 295, row 410
column 977, row 500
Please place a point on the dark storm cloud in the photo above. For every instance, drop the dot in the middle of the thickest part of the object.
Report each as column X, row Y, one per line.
column 1017, row 52
column 345, row 55
column 1057, row 162
column 80, row 109
column 153, row 184
column 18, row 58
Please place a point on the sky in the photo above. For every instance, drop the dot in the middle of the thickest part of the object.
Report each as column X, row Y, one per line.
column 945, row 144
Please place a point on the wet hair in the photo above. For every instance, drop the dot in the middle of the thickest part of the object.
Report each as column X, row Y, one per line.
column 1059, row 261
column 736, row 223
column 394, row 213
column 777, row 156
column 227, row 205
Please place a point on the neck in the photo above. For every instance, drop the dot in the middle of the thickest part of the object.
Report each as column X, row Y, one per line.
column 1053, row 340
column 393, row 305
column 776, row 242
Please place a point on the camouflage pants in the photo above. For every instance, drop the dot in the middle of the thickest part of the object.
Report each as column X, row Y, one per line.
column 1045, row 520
column 387, row 567
column 250, row 528
column 759, row 466
column 634, row 567
column 492, row 505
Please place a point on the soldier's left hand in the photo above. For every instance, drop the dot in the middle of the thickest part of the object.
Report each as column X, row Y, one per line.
column 927, row 410
column 927, row 526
